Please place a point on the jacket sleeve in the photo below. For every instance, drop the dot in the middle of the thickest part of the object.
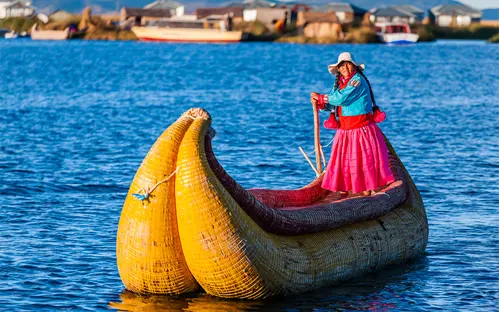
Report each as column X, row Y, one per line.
column 347, row 96
column 322, row 103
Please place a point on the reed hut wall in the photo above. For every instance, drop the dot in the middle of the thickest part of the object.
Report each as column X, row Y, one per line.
column 330, row 30
column 267, row 16
column 319, row 24
column 344, row 17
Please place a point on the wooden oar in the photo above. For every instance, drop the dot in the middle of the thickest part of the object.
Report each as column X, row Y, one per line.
column 323, row 158
column 308, row 160
column 317, row 139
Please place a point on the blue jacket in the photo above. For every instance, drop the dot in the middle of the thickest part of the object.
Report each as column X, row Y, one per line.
column 355, row 98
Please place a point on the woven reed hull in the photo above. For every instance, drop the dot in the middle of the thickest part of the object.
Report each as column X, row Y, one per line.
column 230, row 256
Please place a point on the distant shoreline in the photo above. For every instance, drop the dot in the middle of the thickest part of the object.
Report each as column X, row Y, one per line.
column 104, row 30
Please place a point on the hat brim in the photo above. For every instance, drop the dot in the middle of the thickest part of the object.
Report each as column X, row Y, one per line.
column 333, row 68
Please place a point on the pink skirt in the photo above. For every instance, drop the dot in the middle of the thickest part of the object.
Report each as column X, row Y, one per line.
column 359, row 161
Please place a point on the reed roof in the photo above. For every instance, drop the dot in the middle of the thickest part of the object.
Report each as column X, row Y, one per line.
column 204, row 12
column 158, row 13
column 317, row 17
column 163, row 4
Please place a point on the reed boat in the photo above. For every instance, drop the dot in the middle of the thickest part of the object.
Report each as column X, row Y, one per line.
column 187, row 225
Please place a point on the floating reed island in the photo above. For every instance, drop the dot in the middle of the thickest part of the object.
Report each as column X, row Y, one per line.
column 95, row 27
column 90, row 27
column 187, row 225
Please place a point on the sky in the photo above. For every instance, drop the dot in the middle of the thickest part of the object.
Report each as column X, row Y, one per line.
column 481, row 4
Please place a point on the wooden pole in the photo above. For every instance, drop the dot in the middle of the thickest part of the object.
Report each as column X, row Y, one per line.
column 317, row 140
column 323, row 158
column 309, row 161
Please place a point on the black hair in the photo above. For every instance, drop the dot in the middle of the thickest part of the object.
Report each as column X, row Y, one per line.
column 359, row 70
column 337, row 81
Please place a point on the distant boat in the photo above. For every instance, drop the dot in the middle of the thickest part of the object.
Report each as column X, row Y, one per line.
column 11, row 35
column 37, row 34
column 14, row 35
column 395, row 33
column 186, row 30
column 155, row 33
column 24, row 35
column 68, row 33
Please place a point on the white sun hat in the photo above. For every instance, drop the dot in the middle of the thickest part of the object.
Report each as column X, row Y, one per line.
column 343, row 57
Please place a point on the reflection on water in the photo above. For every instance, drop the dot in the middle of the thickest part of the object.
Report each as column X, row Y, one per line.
column 201, row 302
column 378, row 291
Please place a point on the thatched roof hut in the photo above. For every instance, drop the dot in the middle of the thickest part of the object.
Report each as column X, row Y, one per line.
column 319, row 24
column 60, row 15
column 176, row 9
column 140, row 16
column 205, row 12
column 252, row 4
column 346, row 12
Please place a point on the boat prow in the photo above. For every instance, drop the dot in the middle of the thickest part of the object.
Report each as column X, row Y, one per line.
column 186, row 223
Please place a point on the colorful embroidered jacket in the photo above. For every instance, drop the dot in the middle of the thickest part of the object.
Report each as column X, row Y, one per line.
column 354, row 99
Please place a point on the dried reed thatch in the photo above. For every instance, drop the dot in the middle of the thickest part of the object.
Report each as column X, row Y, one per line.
column 366, row 20
column 361, row 35
column 86, row 17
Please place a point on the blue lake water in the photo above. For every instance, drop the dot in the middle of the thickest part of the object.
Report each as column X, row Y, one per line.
column 77, row 118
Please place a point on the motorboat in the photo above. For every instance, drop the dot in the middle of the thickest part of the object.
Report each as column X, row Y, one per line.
column 395, row 33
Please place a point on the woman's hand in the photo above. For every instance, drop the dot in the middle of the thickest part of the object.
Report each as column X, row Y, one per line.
column 314, row 98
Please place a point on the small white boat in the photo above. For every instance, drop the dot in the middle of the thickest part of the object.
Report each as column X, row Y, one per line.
column 70, row 32
column 24, row 35
column 11, row 35
column 395, row 33
column 37, row 34
column 14, row 35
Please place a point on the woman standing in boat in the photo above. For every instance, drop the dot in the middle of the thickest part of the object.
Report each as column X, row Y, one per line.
column 359, row 158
